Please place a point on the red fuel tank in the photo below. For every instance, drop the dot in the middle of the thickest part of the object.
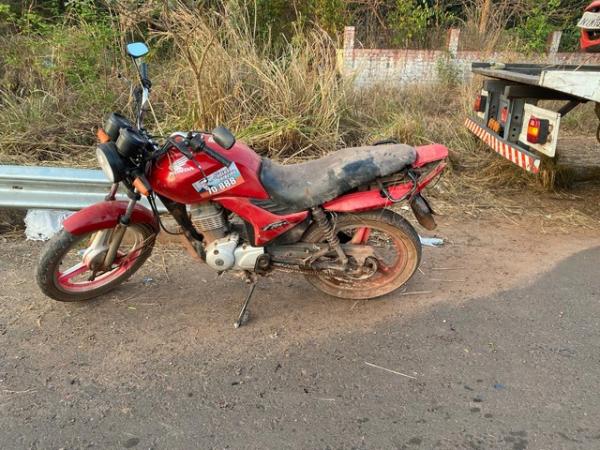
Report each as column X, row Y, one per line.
column 179, row 179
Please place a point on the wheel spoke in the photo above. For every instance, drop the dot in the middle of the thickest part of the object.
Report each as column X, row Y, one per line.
column 68, row 274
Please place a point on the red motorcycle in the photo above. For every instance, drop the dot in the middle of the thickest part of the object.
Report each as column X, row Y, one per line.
column 325, row 219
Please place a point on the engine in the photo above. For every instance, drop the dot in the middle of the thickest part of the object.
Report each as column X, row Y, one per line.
column 210, row 220
column 224, row 249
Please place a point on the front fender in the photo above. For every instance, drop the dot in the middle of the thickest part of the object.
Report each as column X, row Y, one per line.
column 106, row 215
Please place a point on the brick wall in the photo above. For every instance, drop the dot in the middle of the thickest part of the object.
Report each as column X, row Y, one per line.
column 403, row 66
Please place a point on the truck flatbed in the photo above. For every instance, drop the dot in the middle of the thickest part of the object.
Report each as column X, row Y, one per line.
column 582, row 82
column 507, row 109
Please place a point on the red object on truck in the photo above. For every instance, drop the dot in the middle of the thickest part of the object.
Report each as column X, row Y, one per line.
column 590, row 28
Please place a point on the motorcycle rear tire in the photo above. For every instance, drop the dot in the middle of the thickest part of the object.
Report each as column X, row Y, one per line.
column 385, row 221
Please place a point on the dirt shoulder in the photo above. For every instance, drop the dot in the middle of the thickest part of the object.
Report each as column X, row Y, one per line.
column 157, row 364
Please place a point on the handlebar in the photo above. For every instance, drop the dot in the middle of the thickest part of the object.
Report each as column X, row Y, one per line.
column 217, row 156
column 198, row 144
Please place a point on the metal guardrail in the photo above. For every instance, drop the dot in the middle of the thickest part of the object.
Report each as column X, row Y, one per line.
column 32, row 187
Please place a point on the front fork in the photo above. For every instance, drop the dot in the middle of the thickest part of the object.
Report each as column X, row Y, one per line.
column 107, row 242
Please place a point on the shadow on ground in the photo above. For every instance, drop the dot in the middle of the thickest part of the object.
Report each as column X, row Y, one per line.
column 517, row 369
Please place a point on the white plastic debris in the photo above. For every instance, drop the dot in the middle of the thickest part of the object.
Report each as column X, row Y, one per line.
column 431, row 241
column 42, row 224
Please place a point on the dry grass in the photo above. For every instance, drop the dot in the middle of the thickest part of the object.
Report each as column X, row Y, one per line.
column 484, row 26
column 209, row 69
column 285, row 105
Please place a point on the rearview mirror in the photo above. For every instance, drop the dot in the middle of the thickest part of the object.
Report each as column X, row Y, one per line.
column 223, row 137
column 137, row 49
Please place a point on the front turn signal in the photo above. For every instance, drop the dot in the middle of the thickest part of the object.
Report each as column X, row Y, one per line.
column 141, row 187
column 102, row 136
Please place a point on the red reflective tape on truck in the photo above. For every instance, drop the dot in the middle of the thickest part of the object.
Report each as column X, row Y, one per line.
column 515, row 155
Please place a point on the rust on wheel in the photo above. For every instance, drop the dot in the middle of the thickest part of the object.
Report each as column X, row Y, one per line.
column 397, row 253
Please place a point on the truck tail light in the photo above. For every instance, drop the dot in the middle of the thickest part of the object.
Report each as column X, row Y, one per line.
column 537, row 130
column 504, row 114
column 494, row 125
column 480, row 102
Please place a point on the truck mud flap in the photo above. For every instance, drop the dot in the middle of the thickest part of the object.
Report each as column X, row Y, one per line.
column 513, row 153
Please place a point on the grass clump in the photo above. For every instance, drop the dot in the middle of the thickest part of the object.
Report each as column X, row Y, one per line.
column 54, row 80
column 210, row 67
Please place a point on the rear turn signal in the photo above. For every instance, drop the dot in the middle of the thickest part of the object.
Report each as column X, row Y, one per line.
column 480, row 102
column 494, row 125
column 537, row 130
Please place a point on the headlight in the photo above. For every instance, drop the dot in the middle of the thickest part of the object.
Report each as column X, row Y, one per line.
column 110, row 162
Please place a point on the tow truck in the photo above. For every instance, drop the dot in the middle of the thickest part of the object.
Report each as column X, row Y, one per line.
column 507, row 117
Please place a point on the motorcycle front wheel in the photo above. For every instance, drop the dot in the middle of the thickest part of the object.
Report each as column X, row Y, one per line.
column 397, row 251
column 63, row 275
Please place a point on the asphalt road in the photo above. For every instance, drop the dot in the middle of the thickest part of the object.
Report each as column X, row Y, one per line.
column 516, row 369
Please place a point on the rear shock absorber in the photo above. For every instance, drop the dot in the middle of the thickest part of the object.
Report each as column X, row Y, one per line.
column 329, row 231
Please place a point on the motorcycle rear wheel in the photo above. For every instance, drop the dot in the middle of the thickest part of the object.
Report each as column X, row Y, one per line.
column 389, row 233
column 61, row 273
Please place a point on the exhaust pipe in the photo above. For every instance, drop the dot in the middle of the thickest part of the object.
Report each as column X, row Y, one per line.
column 423, row 212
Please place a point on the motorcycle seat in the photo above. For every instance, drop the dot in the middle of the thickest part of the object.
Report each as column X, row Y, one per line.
column 304, row 185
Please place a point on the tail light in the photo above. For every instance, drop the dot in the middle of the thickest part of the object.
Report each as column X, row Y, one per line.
column 494, row 125
column 504, row 114
column 537, row 130
column 480, row 102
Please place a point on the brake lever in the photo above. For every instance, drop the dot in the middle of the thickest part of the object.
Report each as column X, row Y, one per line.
column 198, row 144
column 185, row 151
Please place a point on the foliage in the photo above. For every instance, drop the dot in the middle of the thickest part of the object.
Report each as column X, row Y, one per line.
column 409, row 21
column 264, row 68
column 447, row 71
column 330, row 15
column 534, row 30
column 53, row 79
column 415, row 23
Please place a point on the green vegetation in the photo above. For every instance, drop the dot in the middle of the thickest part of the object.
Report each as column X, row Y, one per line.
column 266, row 69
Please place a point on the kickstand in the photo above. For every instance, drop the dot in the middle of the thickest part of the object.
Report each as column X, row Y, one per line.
column 242, row 317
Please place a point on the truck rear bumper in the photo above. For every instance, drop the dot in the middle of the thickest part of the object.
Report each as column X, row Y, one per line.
column 514, row 153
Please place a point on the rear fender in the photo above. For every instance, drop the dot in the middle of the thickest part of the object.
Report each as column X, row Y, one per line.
column 106, row 215
column 373, row 199
column 430, row 153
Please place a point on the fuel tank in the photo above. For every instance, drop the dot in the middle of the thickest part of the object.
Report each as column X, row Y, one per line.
column 179, row 179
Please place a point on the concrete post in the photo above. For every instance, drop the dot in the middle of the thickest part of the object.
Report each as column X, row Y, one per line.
column 345, row 59
column 553, row 43
column 453, row 40
column 348, row 41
